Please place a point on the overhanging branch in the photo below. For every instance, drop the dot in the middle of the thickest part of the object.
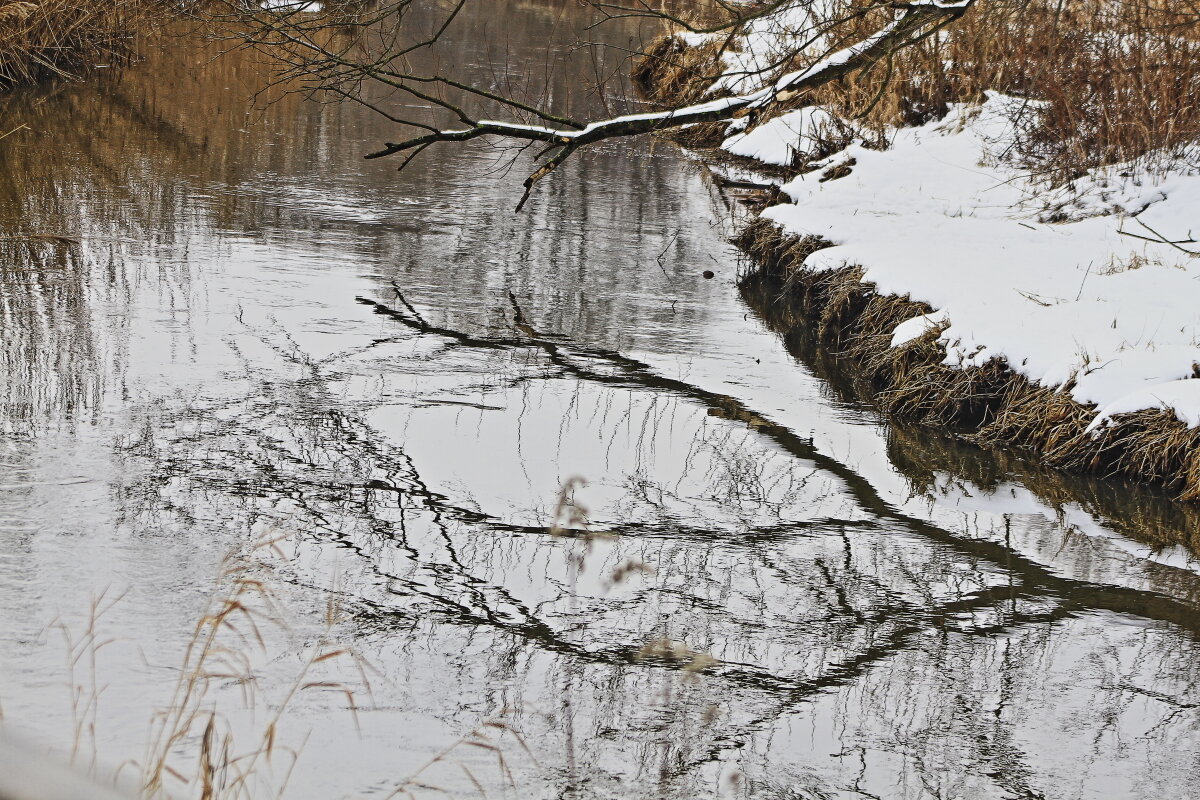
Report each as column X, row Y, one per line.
column 914, row 21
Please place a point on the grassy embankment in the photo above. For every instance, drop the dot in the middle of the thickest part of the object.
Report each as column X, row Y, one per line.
column 1116, row 82
column 46, row 39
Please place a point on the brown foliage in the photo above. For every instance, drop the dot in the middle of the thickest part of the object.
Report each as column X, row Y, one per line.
column 670, row 71
column 1111, row 80
column 60, row 38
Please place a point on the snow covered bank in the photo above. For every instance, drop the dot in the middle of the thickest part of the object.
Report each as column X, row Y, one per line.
column 1082, row 307
column 1065, row 319
column 1080, row 339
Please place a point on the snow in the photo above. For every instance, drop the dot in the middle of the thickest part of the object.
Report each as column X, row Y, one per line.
column 1079, row 306
column 1067, row 286
column 766, row 42
column 567, row 134
column 779, row 139
column 913, row 329
column 1183, row 397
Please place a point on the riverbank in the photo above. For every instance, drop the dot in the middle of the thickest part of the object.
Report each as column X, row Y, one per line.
column 55, row 39
column 1013, row 309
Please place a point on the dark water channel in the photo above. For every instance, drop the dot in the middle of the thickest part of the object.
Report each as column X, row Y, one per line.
column 790, row 600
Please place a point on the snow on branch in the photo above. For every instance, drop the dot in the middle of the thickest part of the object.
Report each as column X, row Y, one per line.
column 915, row 21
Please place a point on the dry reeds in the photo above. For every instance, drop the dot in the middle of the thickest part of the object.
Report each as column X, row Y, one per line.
column 228, row 633
column 988, row 405
column 1119, row 83
column 63, row 38
column 673, row 72
column 193, row 752
column 1110, row 81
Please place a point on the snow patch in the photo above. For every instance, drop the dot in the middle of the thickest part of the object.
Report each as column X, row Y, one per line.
column 1182, row 397
column 913, row 329
column 777, row 141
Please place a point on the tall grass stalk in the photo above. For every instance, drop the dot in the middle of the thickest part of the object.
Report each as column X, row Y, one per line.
column 220, row 650
column 82, row 652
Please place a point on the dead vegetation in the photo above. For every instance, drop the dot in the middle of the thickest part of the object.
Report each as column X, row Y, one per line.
column 225, row 648
column 1109, row 81
column 987, row 405
column 670, row 71
column 62, row 39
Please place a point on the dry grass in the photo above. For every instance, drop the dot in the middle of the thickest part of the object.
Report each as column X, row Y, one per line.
column 63, row 38
column 82, row 656
column 669, row 71
column 775, row 254
column 1120, row 82
column 1113, row 80
column 193, row 751
column 220, row 651
column 1116, row 80
column 988, row 405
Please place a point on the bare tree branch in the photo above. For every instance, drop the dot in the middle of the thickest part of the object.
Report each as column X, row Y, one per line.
column 372, row 49
column 914, row 22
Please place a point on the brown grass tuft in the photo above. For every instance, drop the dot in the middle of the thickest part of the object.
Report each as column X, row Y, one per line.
column 774, row 252
column 703, row 135
column 225, row 641
column 671, row 72
column 61, row 38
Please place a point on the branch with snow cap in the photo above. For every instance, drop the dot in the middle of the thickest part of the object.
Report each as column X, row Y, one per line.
column 914, row 22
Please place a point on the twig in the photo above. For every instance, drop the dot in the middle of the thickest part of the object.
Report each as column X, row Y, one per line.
column 659, row 257
column 1160, row 239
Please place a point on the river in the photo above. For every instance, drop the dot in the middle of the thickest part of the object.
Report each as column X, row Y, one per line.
column 219, row 323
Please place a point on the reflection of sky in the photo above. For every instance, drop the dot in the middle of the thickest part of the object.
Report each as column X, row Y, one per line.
column 199, row 367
